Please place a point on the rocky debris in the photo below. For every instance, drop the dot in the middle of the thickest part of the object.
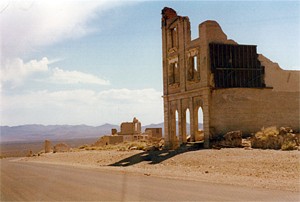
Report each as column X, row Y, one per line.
column 161, row 143
column 133, row 148
column 61, row 147
column 30, row 154
column 246, row 143
column 199, row 135
column 233, row 139
column 229, row 140
column 48, row 146
column 272, row 138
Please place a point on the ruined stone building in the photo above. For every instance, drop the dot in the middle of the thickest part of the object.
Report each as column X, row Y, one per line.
column 235, row 87
column 130, row 131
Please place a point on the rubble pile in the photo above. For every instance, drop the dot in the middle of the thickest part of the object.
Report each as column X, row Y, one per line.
column 61, row 147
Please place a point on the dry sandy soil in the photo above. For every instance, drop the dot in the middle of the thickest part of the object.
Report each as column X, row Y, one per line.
column 269, row 169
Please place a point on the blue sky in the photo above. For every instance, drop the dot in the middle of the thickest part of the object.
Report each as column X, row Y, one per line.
column 95, row 62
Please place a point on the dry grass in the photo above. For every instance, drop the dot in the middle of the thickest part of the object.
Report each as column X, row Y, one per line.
column 125, row 146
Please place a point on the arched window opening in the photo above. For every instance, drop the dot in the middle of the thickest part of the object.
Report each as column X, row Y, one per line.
column 199, row 136
column 195, row 63
column 177, row 125
column 187, row 125
column 200, row 119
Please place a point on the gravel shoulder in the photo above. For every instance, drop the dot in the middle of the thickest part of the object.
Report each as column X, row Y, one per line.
column 270, row 169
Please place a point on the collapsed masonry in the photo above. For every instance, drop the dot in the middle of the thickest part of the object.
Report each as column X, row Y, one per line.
column 234, row 87
column 130, row 131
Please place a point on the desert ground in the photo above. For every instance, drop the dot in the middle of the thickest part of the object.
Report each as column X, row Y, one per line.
column 21, row 149
column 267, row 169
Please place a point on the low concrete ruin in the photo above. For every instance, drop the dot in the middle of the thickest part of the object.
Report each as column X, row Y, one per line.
column 235, row 87
column 130, row 131
column 48, row 146
column 109, row 140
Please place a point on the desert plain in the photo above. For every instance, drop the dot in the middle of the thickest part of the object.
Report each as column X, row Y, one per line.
column 268, row 169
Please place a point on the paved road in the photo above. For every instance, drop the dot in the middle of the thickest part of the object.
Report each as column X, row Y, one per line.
column 23, row 181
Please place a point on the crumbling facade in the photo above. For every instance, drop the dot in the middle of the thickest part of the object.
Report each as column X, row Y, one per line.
column 233, row 86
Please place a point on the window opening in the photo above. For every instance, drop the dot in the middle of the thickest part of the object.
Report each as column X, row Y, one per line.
column 187, row 124
column 173, row 37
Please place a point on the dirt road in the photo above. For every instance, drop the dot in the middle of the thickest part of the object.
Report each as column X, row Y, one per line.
column 27, row 181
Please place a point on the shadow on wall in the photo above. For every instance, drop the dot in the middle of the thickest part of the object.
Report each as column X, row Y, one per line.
column 155, row 157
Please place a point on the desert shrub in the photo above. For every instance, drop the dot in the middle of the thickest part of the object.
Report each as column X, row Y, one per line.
column 288, row 145
column 89, row 148
column 272, row 138
column 83, row 146
column 122, row 148
column 266, row 138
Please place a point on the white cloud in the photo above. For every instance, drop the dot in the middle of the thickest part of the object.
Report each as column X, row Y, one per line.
column 16, row 71
column 28, row 24
column 73, row 77
column 83, row 107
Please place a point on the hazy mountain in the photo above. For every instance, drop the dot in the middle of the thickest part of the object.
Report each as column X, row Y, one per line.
column 36, row 132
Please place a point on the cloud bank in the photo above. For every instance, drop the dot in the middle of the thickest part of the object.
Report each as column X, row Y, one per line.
column 82, row 106
column 26, row 26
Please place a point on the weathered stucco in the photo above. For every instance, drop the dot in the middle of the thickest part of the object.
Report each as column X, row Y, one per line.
column 189, row 84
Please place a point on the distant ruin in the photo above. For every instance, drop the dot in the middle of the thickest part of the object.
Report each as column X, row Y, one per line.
column 234, row 87
column 48, row 147
column 130, row 131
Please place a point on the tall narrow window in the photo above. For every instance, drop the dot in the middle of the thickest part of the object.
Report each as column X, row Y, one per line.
column 174, row 76
column 193, row 70
column 195, row 64
column 177, row 125
column 171, row 73
column 173, row 37
column 187, row 123
column 200, row 119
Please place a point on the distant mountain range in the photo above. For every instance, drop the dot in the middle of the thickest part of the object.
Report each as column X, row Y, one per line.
column 36, row 132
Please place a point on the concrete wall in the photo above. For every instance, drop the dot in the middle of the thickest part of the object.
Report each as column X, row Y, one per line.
column 280, row 80
column 249, row 110
column 116, row 139
column 127, row 128
column 130, row 128
column 106, row 140
column 127, row 138
column 155, row 132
